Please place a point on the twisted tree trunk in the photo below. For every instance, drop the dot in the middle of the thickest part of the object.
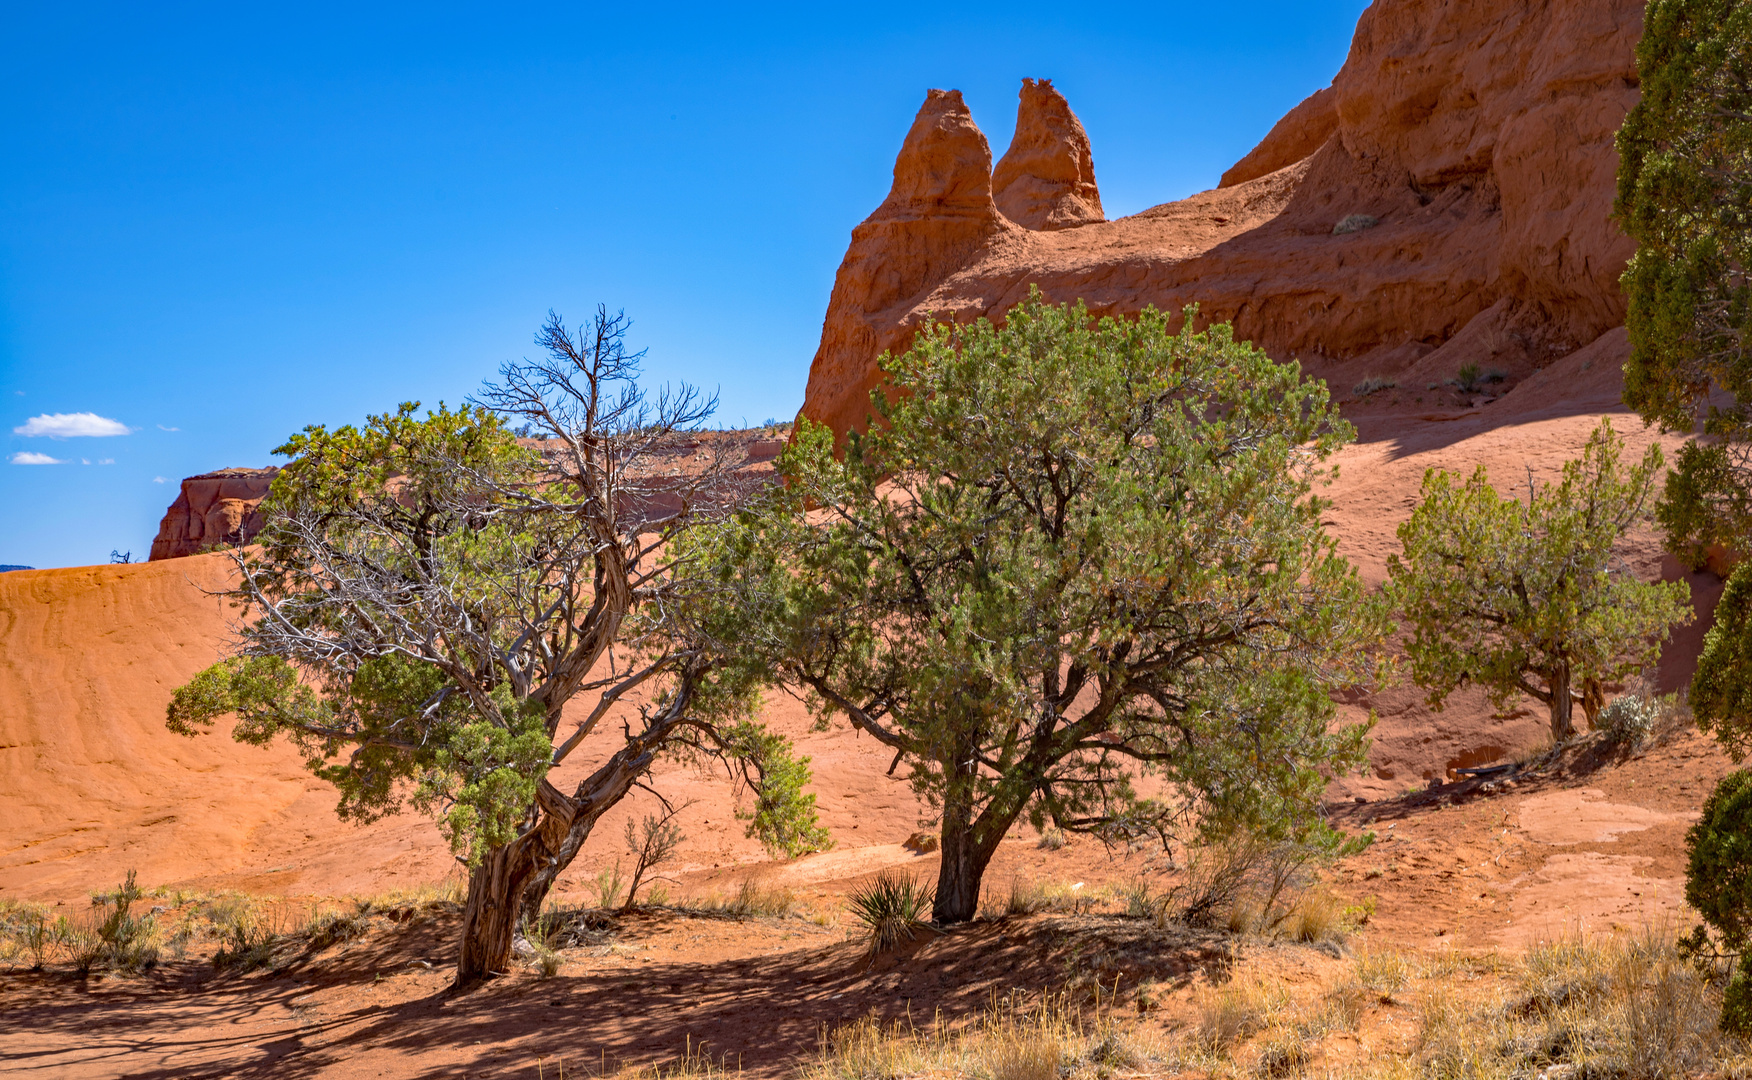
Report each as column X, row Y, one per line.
column 489, row 919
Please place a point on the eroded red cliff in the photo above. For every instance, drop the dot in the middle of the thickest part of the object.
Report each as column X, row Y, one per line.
column 214, row 508
column 1466, row 148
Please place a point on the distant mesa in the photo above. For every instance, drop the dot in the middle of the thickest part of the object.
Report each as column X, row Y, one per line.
column 213, row 509
column 8, row 566
column 1475, row 139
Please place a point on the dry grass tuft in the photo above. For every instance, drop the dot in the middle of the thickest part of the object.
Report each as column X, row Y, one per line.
column 1235, row 1011
column 753, row 898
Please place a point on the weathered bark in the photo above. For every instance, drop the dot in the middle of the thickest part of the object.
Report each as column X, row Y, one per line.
column 1592, row 700
column 567, row 821
column 489, row 920
column 1562, row 704
column 967, row 846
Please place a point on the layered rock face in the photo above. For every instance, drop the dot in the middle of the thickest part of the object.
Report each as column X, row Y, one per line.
column 1046, row 179
column 213, row 508
column 1468, row 144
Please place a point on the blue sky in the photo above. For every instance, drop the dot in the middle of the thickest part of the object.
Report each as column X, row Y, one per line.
column 218, row 225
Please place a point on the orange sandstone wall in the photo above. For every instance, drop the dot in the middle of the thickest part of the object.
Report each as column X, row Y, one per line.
column 1475, row 134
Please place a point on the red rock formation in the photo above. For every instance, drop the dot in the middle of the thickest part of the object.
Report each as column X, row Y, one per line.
column 1303, row 130
column 1046, row 180
column 213, row 508
column 938, row 217
column 1477, row 135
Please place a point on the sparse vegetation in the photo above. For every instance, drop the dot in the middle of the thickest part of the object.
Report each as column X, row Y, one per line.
column 652, row 844
column 892, row 908
column 753, row 898
column 1527, row 597
column 1373, row 384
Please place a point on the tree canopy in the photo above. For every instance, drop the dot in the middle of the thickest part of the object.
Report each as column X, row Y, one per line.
column 1685, row 197
column 429, row 594
column 1069, row 553
column 1527, row 597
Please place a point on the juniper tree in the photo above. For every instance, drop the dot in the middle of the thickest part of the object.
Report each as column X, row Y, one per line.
column 1527, row 597
column 1069, row 555
column 430, row 594
column 1685, row 197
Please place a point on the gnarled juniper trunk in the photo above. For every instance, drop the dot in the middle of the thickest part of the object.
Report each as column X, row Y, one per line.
column 567, row 820
column 489, row 920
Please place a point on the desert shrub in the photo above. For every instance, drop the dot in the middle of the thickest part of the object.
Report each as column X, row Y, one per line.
column 1718, row 884
column 25, row 931
column 1624, row 1006
column 758, row 898
column 1384, row 971
column 1352, row 223
column 1250, row 883
column 610, row 887
column 1051, row 839
column 1630, row 720
column 752, row 898
column 893, row 908
column 1469, row 377
column 1140, row 901
column 248, row 933
column 1027, row 1045
column 327, row 928
column 1524, row 594
column 652, row 844
column 1316, row 914
column 1373, row 384
column 123, row 941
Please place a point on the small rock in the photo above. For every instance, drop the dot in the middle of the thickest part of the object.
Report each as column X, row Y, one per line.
column 1351, row 223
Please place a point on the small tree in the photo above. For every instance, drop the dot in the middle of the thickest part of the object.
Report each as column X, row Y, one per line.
column 1070, row 551
column 430, row 594
column 1527, row 598
column 1685, row 197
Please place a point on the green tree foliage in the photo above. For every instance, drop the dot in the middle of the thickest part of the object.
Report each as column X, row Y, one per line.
column 1071, row 552
column 1718, row 884
column 1685, row 197
column 428, row 594
column 1525, row 597
column 1721, row 690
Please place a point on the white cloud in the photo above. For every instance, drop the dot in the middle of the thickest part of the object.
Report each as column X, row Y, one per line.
column 106, row 461
column 29, row 457
column 71, row 425
column 161, row 427
column 159, row 480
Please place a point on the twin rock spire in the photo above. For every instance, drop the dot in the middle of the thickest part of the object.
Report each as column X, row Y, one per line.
column 1045, row 181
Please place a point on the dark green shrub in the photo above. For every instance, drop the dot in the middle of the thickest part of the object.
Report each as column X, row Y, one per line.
column 1721, row 691
column 1718, row 883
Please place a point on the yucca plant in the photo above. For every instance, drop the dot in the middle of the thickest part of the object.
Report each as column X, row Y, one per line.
column 893, row 907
